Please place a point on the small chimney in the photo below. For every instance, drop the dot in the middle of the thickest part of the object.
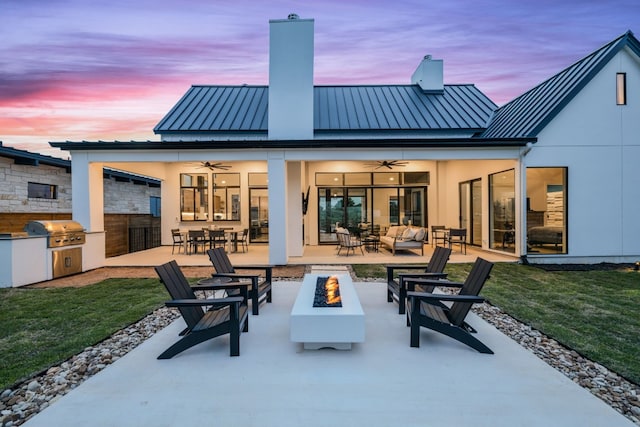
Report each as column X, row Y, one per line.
column 429, row 75
column 291, row 78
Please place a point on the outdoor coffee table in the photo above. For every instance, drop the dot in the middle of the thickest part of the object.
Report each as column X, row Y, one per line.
column 212, row 281
column 371, row 243
column 333, row 327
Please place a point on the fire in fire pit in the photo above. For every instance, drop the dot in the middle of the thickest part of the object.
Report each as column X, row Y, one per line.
column 327, row 292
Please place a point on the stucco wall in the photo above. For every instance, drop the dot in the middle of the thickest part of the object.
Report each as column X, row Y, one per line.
column 598, row 141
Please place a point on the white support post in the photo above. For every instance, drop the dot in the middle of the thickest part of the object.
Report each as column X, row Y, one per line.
column 278, row 229
column 87, row 193
column 294, row 209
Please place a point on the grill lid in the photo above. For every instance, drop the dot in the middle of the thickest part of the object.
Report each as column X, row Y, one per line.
column 53, row 227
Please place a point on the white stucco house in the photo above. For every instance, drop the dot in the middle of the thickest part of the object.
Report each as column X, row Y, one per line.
column 550, row 177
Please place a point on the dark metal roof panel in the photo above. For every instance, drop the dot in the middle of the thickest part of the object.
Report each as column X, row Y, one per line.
column 405, row 107
column 23, row 157
column 336, row 108
column 529, row 113
column 218, row 108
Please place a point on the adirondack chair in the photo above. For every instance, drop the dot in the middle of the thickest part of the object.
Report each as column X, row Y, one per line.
column 397, row 289
column 224, row 316
column 428, row 310
column 260, row 286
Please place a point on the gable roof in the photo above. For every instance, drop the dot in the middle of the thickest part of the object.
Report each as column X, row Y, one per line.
column 528, row 114
column 336, row 109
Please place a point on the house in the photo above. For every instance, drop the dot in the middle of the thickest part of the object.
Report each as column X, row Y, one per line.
column 38, row 188
column 548, row 177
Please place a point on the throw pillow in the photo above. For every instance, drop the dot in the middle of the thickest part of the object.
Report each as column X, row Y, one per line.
column 392, row 231
column 420, row 234
column 409, row 233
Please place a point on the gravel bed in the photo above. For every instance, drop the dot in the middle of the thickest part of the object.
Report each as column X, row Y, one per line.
column 26, row 399
column 619, row 393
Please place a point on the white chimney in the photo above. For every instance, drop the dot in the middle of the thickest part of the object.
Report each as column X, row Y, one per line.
column 429, row 75
column 291, row 78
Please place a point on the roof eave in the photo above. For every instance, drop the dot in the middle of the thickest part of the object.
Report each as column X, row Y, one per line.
column 295, row 144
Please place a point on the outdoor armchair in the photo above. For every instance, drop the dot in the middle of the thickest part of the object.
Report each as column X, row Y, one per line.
column 260, row 287
column 223, row 315
column 397, row 287
column 429, row 310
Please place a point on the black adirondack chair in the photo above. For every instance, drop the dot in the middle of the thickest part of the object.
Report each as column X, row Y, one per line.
column 428, row 310
column 397, row 289
column 260, row 285
column 225, row 315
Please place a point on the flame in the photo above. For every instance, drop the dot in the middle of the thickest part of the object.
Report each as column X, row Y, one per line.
column 331, row 288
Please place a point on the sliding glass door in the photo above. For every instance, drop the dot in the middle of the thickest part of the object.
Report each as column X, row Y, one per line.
column 470, row 194
column 341, row 206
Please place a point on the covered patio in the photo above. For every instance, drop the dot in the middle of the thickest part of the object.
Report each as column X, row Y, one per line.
column 319, row 254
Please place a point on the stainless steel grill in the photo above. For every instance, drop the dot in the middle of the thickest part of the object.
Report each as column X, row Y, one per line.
column 60, row 232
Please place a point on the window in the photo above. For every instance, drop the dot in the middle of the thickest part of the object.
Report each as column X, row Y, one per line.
column 42, row 191
column 258, row 179
column 502, row 190
column 621, row 88
column 546, row 210
column 194, row 197
column 226, row 196
column 367, row 179
column 154, row 208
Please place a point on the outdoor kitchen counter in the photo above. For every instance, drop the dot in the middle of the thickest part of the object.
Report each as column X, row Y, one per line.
column 26, row 259
column 23, row 260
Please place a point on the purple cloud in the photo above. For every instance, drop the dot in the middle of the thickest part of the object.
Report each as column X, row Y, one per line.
column 58, row 53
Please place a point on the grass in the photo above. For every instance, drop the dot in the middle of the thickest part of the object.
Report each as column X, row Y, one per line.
column 43, row 327
column 595, row 313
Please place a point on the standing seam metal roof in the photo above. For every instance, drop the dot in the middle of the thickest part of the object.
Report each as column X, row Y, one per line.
column 529, row 113
column 336, row 108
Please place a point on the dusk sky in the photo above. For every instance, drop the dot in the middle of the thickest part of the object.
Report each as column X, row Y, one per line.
column 104, row 70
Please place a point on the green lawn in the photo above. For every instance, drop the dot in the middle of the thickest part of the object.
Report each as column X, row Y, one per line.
column 43, row 327
column 595, row 313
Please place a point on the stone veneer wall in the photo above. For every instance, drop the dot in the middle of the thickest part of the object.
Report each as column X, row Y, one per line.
column 119, row 197
column 13, row 191
column 126, row 197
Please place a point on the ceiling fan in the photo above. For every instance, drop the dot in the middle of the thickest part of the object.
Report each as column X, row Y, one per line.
column 213, row 166
column 389, row 164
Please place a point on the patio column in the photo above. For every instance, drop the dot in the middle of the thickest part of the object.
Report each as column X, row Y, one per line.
column 294, row 209
column 277, row 209
column 87, row 192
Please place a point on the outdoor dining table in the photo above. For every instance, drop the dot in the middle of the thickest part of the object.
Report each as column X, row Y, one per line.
column 232, row 238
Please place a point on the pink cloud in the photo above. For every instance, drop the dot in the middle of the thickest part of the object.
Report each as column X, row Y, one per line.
column 101, row 70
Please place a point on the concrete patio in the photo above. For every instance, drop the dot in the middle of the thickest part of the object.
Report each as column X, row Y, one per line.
column 381, row 382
